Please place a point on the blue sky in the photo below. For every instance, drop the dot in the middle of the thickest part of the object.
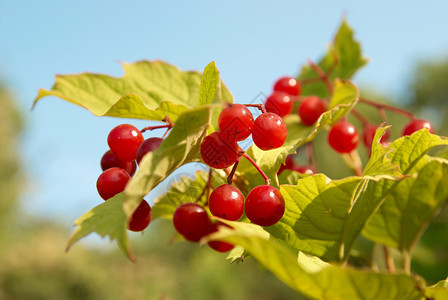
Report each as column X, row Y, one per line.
column 252, row 43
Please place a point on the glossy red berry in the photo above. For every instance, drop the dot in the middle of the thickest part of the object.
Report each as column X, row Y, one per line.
column 264, row 205
column 235, row 122
column 369, row 133
column 109, row 160
column 218, row 245
column 288, row 85
column 343, row 137
column 191, row 221
column 310, row 109
column 416, row 125
column 147, row 146
column 141, row 217
column 227, row 202
column 279, row 103
column 269, row 131
column 124, row 141
column 111, row 182
column 217, row 152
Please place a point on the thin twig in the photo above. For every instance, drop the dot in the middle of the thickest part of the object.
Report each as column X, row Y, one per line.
column 387, row 107
column 266, row 178
column 390, row 264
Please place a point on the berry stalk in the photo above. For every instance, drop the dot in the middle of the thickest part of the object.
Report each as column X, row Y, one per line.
column 266, row 178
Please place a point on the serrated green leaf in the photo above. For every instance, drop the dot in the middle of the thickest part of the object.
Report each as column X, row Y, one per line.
column 324, row 217
column 106, row 219
column 344, row 50
column 343, row 99
column 410, row 206
column 439, row 291
column 148, row 90
column 180, row 147
column 209, row 84
column 406, row 212
column 313, row 277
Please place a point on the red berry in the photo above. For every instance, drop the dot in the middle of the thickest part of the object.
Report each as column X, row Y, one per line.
column 269, row 131
column 141, row 217
column 218, row 245
column 235, row 123
column 416, row 125
column 265, row 205
column 227, row 202
column 111, row 182
column 109, row 160
column 279, row 103
column 310, row 109
column 369, row 133
column 288, row 85
column 124, row 141
column 304, row 169
column 147, row 146
column 217, row 152
column 343, row 137
column 191, row 221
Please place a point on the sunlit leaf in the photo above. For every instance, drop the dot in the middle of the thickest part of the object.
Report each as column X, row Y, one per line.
column 312, row 277
column 343, row 56
column 148, row 90
column 106, row 219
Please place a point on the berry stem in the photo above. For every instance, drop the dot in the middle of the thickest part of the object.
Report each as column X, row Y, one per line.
column 406, row 262
column 382, row 114
column 309, row 155
column 259, row 106
column 167, row 126
column 322, row 75
column 266, row 178
column 230, row 177
column 334, row 64
column 390, row 264
column 388, row 107
column 360, row 117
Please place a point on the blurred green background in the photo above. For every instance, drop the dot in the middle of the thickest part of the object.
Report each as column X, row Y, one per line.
column 34, row 266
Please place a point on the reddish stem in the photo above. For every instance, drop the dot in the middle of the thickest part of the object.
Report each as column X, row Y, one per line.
column 323, row 76
column 382, row 114
column 167, row 126
column 360, row 117
column 387, row 107
column 334, row 64
column 266, row 178
column 309, row 156
column 259, row 106
column 235, row 165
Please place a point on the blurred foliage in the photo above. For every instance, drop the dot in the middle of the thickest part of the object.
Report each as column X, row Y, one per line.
column 428, row 91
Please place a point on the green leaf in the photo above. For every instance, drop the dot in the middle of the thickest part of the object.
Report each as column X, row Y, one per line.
column 209, row 82
column 343, row 99
column 181, row 146
column 148, row 90
column 438, row 291
column 312, row 277
column 324, row 217
column 410, row 204
column 106, row 219
column 344, row 55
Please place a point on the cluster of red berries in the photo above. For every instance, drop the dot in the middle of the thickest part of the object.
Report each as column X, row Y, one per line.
column 127, row 148
column 343, row 137
column 264, row 205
